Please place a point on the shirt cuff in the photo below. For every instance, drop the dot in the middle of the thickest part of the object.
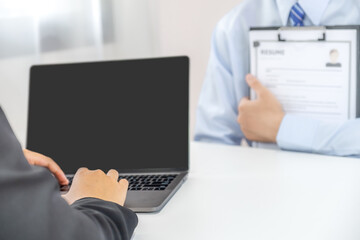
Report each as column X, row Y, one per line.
column 297, row 133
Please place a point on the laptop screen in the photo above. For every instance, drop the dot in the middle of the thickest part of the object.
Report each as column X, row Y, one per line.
column 126, row 115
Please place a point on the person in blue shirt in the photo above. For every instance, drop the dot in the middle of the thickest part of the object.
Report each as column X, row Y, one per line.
column 226, row 115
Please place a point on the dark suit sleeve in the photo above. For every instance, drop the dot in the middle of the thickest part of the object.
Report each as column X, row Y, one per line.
column 31, row 206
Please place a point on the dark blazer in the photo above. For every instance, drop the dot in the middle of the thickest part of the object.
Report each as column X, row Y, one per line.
column 31, row 206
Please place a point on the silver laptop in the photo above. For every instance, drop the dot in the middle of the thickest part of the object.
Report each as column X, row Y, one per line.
column 129, row 115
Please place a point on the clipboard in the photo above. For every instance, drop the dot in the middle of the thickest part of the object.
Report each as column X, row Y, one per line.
column 313, row 71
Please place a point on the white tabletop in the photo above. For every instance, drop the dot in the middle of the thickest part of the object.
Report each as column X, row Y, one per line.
column 246, row 193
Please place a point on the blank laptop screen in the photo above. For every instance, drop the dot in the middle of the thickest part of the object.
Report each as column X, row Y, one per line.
column 124, row 115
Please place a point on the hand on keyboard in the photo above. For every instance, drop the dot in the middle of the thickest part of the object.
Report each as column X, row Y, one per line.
column 97, row 184
column 43, row 161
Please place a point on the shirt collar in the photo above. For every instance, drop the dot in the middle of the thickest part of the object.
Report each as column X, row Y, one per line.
column 313, row 9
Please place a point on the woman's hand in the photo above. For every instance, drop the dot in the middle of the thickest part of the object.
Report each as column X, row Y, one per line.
column 44, row 161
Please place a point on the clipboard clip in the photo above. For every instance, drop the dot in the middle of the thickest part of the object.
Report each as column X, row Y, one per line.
column 301, row 34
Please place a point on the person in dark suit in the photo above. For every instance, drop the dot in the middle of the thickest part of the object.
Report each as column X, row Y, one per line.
column 31, row 206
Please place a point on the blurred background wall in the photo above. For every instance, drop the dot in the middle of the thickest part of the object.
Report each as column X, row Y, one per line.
column 60, row 31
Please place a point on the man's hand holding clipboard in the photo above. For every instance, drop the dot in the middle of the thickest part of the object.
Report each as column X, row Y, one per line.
column 311, row 71
column 260, row 119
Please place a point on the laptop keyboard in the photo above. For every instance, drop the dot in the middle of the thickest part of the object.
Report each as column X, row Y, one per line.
column 145, row 182
column 148, row 182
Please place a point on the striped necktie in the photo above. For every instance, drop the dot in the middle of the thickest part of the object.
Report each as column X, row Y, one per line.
column 297, row 15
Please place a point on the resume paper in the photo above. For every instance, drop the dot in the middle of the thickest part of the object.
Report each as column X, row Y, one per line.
column 308, row 78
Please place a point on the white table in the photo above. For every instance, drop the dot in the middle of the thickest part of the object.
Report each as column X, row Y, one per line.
column 246, row 193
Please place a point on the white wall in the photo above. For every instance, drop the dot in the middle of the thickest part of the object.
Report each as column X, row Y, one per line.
column 143, row 28
column 185, row 27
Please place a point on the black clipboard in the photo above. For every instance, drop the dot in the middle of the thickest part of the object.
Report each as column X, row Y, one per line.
column 322, row 37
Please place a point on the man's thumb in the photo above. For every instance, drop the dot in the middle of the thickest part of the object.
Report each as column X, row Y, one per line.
column 254, row 83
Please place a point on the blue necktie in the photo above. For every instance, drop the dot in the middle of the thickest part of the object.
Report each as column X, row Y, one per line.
column 297, row 15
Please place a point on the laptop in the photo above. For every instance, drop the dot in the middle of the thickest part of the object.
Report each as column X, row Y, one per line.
column 129, row 115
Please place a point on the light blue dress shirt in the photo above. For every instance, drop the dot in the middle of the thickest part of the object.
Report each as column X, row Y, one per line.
column 225, row 85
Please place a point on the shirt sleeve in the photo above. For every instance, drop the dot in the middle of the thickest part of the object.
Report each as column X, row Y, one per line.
column 306, row 134
column 31, row 206
column 217, row 109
